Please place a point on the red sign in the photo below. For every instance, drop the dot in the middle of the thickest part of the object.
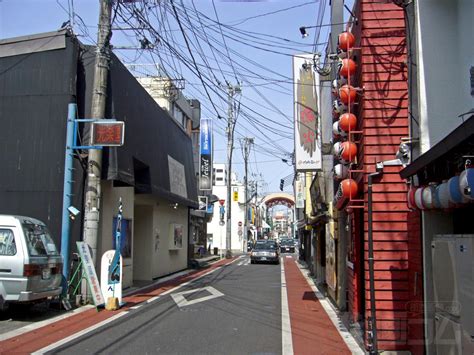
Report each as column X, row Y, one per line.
column 107, row 133
column 222, row 202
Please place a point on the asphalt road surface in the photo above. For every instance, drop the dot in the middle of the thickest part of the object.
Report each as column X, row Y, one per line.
column 236, row 309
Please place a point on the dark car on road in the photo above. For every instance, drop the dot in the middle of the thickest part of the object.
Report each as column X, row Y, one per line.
column 287, row 246
column 265, row 252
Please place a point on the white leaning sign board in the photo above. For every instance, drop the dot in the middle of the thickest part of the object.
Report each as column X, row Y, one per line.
column 91, row 275
column 110, row 288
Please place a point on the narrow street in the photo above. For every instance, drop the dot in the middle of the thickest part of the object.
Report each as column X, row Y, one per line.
column 236, row 308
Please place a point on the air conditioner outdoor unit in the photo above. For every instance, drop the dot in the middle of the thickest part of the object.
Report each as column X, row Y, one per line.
column 448, row 336
column 453, row 281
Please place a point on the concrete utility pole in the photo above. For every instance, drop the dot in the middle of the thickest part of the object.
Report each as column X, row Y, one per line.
column 231, row 92
column 99, row 97
column 247, row 145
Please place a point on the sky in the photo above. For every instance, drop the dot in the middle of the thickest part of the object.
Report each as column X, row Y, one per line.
column 250, row 42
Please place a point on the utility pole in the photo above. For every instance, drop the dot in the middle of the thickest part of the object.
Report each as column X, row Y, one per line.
column 231, row 92
column 99, row 97
column 247, row 144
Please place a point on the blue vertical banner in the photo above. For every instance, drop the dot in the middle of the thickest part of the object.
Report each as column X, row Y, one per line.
column 205, row 155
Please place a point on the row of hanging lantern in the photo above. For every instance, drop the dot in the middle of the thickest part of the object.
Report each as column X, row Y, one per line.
column 452, row 193
column 344, row 149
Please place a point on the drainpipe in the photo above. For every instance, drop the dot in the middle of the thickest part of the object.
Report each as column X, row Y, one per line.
column 373, row 317
column 67, row 195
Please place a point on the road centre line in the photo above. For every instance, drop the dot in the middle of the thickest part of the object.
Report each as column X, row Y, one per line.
column 286, row 335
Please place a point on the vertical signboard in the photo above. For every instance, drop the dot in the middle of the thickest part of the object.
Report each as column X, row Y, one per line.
column 205, row 155
column 331, row 257
column 91, row 275
column 111, row 288
column 306, row 114
column 299, row 187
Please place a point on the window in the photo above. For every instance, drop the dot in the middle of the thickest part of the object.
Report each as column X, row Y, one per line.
column 220, row 170
column 39, row 240
column 219, row 179
column 7, row 242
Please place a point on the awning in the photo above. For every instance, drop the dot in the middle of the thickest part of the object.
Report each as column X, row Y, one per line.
column 446, row 158
column 198, row 213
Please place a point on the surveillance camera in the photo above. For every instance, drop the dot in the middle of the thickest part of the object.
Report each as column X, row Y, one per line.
column 73, row 212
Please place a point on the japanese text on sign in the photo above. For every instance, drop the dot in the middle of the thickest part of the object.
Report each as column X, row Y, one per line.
column 107, row 133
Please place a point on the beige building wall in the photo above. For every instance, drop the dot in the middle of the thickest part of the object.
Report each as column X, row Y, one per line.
column 109, row 209
column 152, row 225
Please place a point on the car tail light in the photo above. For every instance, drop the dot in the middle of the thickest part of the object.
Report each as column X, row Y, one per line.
column 31, row 270
column 57, row 269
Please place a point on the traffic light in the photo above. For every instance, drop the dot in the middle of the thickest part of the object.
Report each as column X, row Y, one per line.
column 282, row 182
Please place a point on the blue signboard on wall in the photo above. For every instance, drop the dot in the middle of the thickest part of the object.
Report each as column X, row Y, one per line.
column 205, row 155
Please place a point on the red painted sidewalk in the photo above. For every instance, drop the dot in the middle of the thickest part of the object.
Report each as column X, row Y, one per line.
column 312, row 330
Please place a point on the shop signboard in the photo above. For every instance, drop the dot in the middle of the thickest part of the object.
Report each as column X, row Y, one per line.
column 205, row 155
column 91, row 275
column 299, row 187
column 111, row 288
column 307, row 128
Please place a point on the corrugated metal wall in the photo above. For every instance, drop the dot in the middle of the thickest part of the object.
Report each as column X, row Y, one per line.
column 383, row 110
column 35, row 90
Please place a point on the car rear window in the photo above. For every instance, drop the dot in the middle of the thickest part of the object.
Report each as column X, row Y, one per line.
column 267, row 245
column 38, row 240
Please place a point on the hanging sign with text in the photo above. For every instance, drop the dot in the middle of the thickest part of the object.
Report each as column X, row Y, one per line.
column 205, row 155
column 107, row 133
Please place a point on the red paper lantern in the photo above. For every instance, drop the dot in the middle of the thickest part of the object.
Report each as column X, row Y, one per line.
column 349, row 188
column 348, row 68
column 347, row 94
column 347, row 122
column 348, row 151
column 346, row 41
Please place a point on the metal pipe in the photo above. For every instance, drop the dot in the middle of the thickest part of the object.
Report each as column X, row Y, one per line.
column 373, row 318
column 67, row 194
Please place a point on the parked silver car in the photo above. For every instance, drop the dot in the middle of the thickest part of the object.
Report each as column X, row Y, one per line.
column 30, row 264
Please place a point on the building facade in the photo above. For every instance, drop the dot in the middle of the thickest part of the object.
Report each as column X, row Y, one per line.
column 153, row 172
column 440, row 174
column 216, row 227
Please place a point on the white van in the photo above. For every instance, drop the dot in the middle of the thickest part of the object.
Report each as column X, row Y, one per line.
column 30, row 264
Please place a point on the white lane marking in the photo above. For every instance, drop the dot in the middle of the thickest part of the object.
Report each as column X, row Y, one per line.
column 245, row 261
column 286, row 336
column 79, row 334
column 30, row 327
column 118, row 315
column 152, row 299
column 332, row 313
column 181, row 301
